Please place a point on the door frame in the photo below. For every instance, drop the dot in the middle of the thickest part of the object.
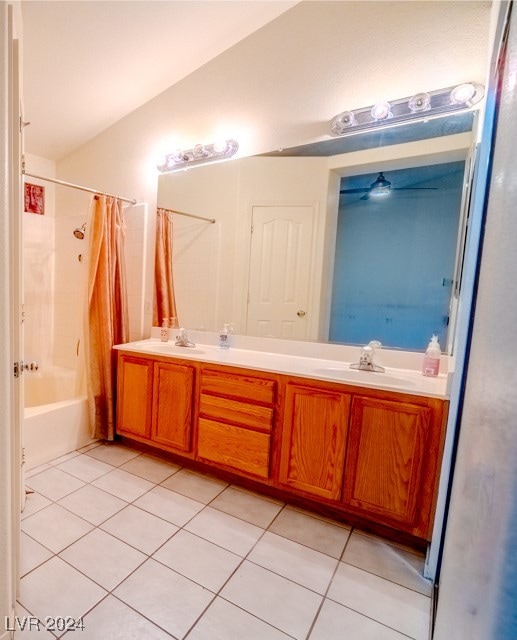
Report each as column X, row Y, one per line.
column 10, row 319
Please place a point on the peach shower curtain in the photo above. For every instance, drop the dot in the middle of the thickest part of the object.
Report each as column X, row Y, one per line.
column 106, row 321
column 164, row 300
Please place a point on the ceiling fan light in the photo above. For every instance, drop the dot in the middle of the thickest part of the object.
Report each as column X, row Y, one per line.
column 381, row 111
column 419, row 102
column 378, row 192
column 380, row 187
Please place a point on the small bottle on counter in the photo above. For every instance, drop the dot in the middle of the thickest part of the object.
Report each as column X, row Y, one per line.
column 225, row 337
column 164, row 331
column 431, row 365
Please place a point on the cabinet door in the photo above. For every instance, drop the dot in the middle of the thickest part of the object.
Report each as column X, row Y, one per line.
column 384, row 471
column 134, row 396
column 313, row 440
column 172, row 405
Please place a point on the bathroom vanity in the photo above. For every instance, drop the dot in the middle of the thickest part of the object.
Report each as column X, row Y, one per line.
column 364, row 447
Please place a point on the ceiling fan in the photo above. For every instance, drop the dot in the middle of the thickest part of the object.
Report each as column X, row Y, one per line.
column 381, row 187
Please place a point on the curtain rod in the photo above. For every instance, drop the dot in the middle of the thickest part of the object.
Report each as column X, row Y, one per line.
column 189, row 215
column 77, row 186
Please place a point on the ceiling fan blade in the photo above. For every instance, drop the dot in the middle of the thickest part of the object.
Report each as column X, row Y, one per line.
column 354, row 190
column 414, row 188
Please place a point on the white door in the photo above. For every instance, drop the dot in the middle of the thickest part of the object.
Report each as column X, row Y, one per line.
column 280, row 271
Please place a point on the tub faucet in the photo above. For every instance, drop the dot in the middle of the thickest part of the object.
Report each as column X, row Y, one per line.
column 366, row 358
column 182, row 339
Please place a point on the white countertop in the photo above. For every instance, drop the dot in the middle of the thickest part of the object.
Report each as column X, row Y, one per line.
column 331, row 370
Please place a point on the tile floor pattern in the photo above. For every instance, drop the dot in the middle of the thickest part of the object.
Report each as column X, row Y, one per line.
column 143, row 549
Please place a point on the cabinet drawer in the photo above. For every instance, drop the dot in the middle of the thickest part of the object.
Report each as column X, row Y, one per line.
column 239, row 387
column 233, row 447
column 235, row 412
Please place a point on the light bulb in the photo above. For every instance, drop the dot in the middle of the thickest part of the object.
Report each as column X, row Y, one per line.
column 346, row 119
column 462, row 93
column 220, row 146
column 199, row 151
column 163, row 164
column 420, row 102
column 381, row 111
column 177, row 156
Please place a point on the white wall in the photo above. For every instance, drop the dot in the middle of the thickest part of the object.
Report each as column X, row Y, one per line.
column 281, row 86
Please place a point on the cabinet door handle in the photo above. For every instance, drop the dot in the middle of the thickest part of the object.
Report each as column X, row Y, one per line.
column 301, row 313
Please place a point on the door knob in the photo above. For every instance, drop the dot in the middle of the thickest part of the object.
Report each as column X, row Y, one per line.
column 301, row 313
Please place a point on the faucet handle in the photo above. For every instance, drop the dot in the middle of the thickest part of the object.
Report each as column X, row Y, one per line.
column 366, row 356
column 375, row 344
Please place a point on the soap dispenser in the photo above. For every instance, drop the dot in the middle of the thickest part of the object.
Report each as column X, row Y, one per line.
column 164, row 331
column 432, row 358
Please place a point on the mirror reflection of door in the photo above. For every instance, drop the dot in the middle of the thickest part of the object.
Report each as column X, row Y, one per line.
column 395, row 257
column 279, row 271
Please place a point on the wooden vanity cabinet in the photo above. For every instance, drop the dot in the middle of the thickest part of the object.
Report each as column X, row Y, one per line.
column 134, row 396
column 235, row 421
column 314, row 438
column 391, row 460
column 370, row 454
column 155, row 401
column 373, row 454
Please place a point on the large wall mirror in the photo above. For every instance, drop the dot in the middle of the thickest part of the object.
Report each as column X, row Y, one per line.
column 303, row 248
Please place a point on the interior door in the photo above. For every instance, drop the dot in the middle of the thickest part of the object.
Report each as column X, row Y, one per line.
column 279, row 273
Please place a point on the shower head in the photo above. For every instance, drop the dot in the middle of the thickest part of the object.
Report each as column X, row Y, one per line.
column 79, row 232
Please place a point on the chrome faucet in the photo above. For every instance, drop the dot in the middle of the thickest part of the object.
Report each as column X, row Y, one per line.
column 366, row 358
column 182, row 339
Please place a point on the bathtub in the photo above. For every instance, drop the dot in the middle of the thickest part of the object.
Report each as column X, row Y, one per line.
column 55, row 421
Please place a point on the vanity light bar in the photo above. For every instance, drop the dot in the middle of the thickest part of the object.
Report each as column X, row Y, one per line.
column 421, row 106
column 183, row 159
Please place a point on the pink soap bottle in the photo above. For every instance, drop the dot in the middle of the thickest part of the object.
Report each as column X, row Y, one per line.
column 431, row 365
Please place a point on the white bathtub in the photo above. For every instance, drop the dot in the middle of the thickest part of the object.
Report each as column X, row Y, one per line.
column 55, row 422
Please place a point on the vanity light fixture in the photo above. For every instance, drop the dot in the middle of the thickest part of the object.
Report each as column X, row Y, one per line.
column 421, row 106
column 199, row 154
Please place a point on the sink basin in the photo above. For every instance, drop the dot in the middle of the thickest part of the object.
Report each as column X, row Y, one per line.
column 166, row 347
column 356, row 375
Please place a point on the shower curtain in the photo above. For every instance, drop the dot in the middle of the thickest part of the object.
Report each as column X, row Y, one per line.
column 106, row 317
column 164, row 300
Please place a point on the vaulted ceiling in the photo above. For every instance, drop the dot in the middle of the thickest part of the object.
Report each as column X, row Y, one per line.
column 86, row 64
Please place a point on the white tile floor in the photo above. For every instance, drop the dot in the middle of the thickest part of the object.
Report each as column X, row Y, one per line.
column 142, row 549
